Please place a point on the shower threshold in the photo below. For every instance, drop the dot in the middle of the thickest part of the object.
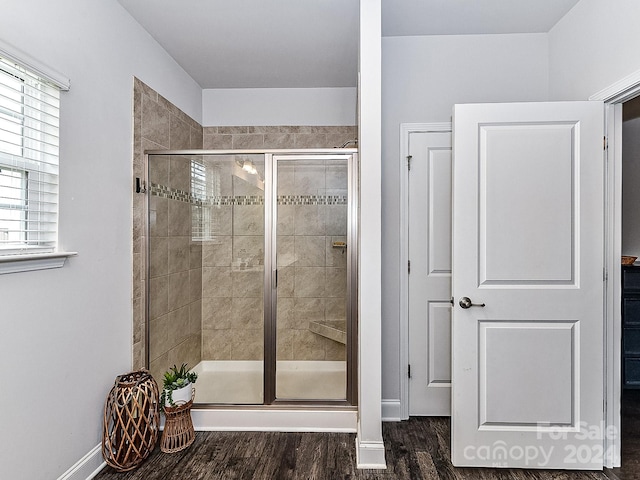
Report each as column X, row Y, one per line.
column 239, row 382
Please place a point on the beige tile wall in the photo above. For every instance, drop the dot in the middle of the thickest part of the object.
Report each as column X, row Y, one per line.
column 176, row 267
column 312, row 274
column 175, row 270
column 225, row 138
column 233, row 264
column 206, row 297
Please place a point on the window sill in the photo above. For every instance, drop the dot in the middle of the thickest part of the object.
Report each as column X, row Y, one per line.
column 34, row 261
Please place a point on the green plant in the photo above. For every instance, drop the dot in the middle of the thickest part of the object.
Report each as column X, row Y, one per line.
column 174, row 379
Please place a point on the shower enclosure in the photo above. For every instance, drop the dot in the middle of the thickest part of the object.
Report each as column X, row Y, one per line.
column 251, row 264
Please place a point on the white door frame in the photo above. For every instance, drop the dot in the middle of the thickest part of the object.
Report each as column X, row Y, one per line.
column 405, row 130
column 614, row 96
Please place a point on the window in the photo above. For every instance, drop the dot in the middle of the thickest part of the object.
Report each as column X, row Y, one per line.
column 29, row 120
column 200, row 215
column 206, row 199
column 13, row 184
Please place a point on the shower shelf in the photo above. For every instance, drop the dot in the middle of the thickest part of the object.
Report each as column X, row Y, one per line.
column 331, row 329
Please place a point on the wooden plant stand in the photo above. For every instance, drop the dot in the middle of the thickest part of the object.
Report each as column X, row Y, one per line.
column 178, row 431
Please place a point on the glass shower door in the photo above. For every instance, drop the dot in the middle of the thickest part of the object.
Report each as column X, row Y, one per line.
column 206, row 272
column 250, row 274
column 312, row 298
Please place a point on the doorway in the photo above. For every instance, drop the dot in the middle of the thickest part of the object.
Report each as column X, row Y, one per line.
column 559, row 276
column 428, row 174
column 614, row 96
column 629, row 246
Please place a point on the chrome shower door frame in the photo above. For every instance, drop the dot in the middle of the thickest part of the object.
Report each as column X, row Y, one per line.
column 350, row 156
column 271, row 157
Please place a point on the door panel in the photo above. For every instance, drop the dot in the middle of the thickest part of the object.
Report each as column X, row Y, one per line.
column 545, row 164
column 439, row 346
column 430, row 277
column 314, row 249
column 505, row 387
column 528, row 245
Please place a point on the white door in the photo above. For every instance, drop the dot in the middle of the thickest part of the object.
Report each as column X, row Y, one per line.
column 528, row 233
column 430, row 273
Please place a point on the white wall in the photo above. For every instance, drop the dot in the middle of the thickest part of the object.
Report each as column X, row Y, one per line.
column 592, row 47
column 66, row 333
column 422, row 78
column 279, row 106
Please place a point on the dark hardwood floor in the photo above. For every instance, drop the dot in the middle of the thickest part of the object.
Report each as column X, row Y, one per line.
column 630, row 469
column 415, row 449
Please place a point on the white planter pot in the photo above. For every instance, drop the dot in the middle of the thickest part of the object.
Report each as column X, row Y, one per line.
column 180, row 396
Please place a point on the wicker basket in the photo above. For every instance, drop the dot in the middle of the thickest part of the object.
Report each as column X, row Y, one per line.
column 178, row 431
column 131, row 420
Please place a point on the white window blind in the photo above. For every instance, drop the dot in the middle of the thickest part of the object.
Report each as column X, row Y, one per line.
column 29, row 122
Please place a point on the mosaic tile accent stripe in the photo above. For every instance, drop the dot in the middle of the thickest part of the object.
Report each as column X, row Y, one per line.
column 224, row 200
column 174, row 194
column 312, row 199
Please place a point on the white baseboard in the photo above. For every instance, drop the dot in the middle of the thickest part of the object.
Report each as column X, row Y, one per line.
column 87, row 467
column 370, row 454
column 276, row 420
column 391, row 410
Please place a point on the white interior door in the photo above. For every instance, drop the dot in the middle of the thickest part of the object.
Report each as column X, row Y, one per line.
column 528, row 236
column 430, row 274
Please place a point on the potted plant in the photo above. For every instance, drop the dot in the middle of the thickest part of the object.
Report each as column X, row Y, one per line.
column 177, row 386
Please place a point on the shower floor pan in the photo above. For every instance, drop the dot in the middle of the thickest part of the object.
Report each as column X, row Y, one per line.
column 239, row 382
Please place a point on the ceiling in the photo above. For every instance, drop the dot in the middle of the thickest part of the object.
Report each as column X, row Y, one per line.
column 313, row 43
column 461, row 17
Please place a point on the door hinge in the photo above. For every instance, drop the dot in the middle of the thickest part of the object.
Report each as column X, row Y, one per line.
column 409, row 371
column 605, row 144
column 409, row 266
column 409, row 157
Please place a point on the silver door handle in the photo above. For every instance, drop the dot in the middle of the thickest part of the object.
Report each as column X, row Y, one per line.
column 465, row 302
